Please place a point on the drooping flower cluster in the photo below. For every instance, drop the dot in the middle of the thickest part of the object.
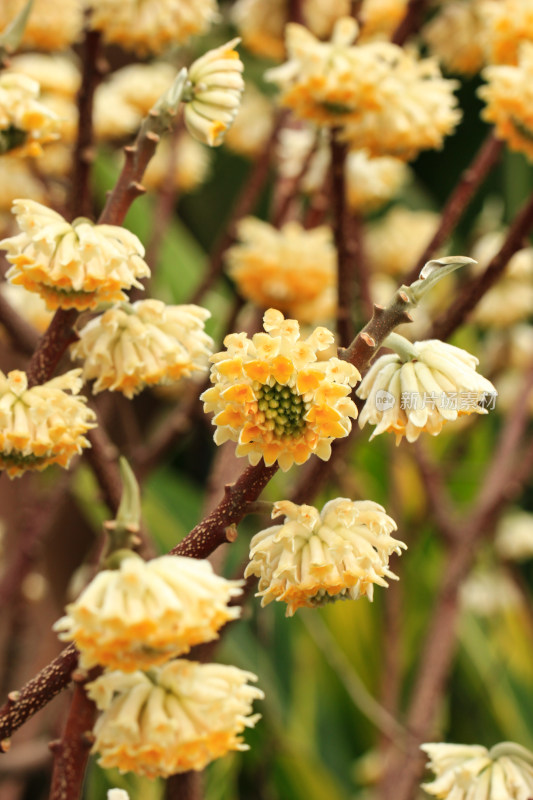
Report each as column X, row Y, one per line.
column 509, row 97
column 386, row 100
column 467, row 771
column 429, row 384
column 145, row 613
column 25, row 124
column 173, row 719
column 314, row 557
column 149, row 26
column 291, row 269
column 274, row 398
column 215, row 86
column 41, row 425
column 72, row 265
column 147, row 343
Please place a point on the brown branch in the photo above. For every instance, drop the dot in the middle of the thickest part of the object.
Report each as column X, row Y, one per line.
column 185, row 786
column 52, row 346
column 411, row 22
column 79, row 203
column 345, row 270
column 244, row 205
column 71, row 753
column 35, row 694
column 474, row 291
column 211, row 532
column 457, row 203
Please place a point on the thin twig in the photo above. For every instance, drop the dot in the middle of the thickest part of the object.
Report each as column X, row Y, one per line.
column 457, row 203
column 71, row 753
column 185, row 786
column 80, row 200
column 474, row 291
column 411, row 22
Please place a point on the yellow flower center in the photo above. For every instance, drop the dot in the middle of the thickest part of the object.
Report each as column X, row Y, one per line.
column 284, row 409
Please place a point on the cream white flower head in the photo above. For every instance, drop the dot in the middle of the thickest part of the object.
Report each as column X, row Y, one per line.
column 72, row 265
column 456, row 35
column 147, row 343
column 429, row 384
column 144, row 613
column 509, row 97
column 215, row 85
column 149, row 26
column 25, row 123
column 272, row 396
column 174, row 719
column 505, row 772
column 316, row 557
column 507, row 24
column 287, row 268
column 41, row 425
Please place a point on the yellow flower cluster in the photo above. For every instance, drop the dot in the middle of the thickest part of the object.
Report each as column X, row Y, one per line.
column 291, row 269
column 145, row 613
column 420, row 391
column 215, row 86
column 274, row 398
column 509, row 97
column 147, row 343
column 76, row 265
column 314, row 557
column 372, row 182
column 385, row 99
column 25, row 124
column 456, row 35
column 173, row 719
column 508, row 23
column 52, row 24
column 149, row 26
column 471, row 771
column 42, row 425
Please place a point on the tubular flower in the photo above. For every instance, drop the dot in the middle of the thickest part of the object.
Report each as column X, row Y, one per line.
column 287, row 268
column 147, row 343
column 176, row 718
column 315, row 558
column 25, row 124
column 467, row 771
column 456, row 36
column 272, row 396
column 145, row 613
column 508, row 23
column 421, row 390
column 149, row 26
column 509, row 97
column 43, row 425
column 215, row 86
column 76, row 265
column 52, row 24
